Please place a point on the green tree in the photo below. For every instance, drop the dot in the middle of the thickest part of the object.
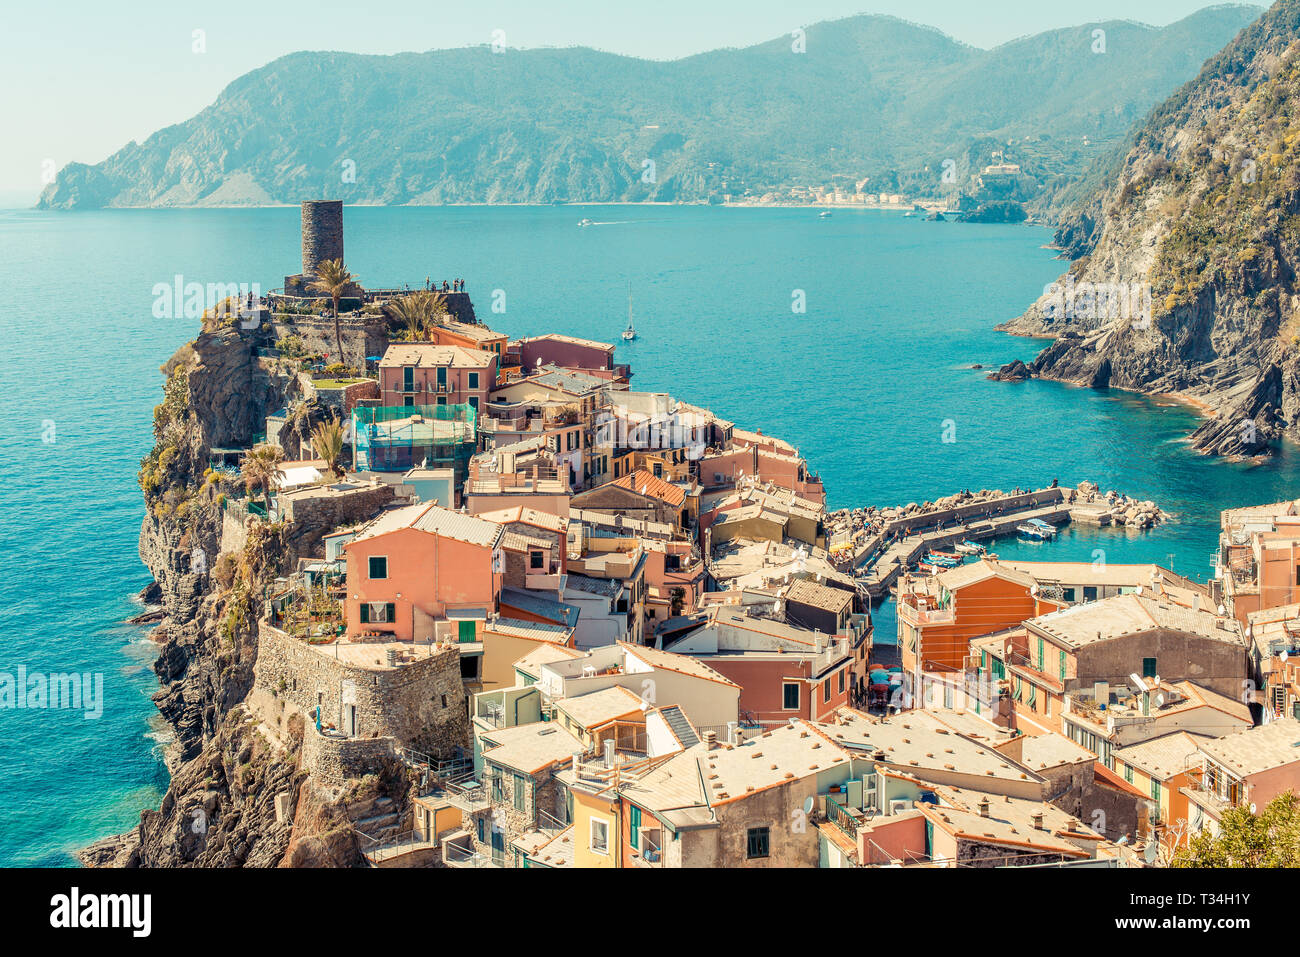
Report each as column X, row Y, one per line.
column 327, row 442
column 1270, row 838
column 334, row 280
column 260, row 469
column 416, row 312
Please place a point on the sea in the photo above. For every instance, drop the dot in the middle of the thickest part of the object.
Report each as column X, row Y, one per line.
column 864, row 338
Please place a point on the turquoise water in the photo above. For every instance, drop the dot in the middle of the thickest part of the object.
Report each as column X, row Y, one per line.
column 863, row 382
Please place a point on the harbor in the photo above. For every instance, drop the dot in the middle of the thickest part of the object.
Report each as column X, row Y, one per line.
column 876, row 545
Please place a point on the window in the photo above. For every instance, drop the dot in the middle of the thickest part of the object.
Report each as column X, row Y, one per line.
column 473, row 380
column 536, row 559
column 378, row 567
column 1128, row 773
column 473, row 402
column 521, row 793
column 840, row 687
column 408, row 379
column 757, row 843
column 599, row 836
column 1041, row 666
column 1089, row 592
column 498, row 785
column 442, row 375
column 1067, row 594
column 481, row 835
column 790, row 696
column 1062, row 664
column 409, row 402
column 826, row 690
column 1148, row 668
column 378, row 613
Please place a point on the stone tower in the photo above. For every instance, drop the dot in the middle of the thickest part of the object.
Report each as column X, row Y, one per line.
column 322, row 234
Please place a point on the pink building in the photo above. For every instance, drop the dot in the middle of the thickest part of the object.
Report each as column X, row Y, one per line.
column 421, row 573
column 421, row 373
column 569, row 352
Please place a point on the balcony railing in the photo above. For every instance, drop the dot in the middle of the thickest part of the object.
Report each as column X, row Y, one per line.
column 839, row 815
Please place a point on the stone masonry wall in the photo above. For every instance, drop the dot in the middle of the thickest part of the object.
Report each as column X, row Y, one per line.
column 420, row 705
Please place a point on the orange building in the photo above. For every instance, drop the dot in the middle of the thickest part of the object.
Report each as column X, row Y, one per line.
column 939, row 615
column 417, row 568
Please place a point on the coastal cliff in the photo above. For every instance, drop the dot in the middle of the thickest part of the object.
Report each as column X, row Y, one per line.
column 238, row 794
column 1184, row 274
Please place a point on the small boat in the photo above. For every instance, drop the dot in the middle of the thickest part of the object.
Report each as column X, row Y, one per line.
column 1037, row 530
column 956, row 559
column 824, row 214
column 586, row 222
column 925, row 568
column 629, row 334
column 970, row 548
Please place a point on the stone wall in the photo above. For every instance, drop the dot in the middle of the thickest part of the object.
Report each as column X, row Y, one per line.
column 421, row 704
column 332, row 760
column 315, row 514
column 363, row 335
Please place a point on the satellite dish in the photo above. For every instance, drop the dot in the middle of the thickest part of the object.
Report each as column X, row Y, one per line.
column 1138, row 590
column 808, row 806
column 1222, row 611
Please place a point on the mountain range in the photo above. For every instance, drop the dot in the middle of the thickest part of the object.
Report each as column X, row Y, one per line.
column 869, row 97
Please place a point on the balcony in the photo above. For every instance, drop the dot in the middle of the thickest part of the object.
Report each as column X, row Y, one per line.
column 833, row 651
column 543, row 581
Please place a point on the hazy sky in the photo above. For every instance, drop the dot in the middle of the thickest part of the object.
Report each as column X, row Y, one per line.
column 81, row 78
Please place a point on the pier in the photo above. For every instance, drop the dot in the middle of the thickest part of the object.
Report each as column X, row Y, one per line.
column 904, row 539
column 908, row 550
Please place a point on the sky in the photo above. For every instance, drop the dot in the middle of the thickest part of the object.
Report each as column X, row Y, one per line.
column 82, row 78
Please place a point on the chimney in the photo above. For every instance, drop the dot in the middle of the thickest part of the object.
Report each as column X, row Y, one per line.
column 710, row 740
column 737, row 737
column 984, row 807
column 1038, row 820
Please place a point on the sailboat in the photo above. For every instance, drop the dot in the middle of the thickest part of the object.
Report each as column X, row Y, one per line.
column 629, row 333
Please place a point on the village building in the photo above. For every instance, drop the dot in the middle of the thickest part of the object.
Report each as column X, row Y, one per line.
column 423, row 573
column 419, row 374
column 1246, row 769
column 784, row 672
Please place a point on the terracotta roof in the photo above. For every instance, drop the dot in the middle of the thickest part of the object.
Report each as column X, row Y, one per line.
column 682, row 664
column 809, row 592
column 427, row 355
column 434, row 519
column 645, row 483
column 1273, row 745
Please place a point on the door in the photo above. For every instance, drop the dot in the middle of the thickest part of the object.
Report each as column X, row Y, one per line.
column 350, row 720
column 498, row 846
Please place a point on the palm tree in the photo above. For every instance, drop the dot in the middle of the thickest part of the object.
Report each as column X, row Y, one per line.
column 334, row 280
column 417, row 311
column 300, row 420
column 260, row 469
column 327, row 442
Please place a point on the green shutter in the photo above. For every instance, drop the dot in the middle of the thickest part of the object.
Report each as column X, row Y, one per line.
column 466, row 631
column 1040, row 654
column 635, row 837
column 365, row 613
column 392, row 613
column 1062, row 664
